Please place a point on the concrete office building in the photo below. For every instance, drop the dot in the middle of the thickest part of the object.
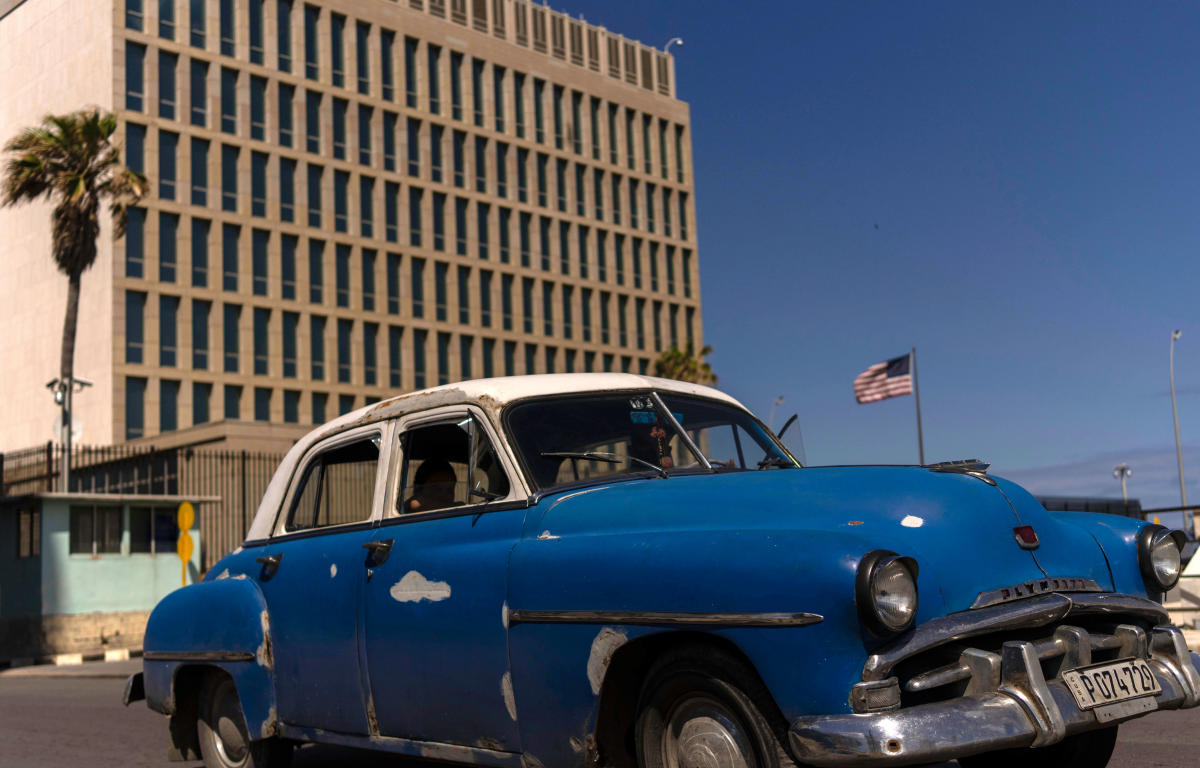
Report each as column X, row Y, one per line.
column 351, row 198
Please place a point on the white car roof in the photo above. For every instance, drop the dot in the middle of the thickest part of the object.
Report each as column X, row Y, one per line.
column 490, row 394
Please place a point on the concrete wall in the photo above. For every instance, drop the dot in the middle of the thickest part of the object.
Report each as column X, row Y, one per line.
column 56, row 56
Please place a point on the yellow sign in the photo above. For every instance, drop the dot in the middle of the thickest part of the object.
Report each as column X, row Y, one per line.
column 186, row 516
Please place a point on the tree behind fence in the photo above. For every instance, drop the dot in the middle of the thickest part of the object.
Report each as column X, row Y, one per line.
column 238, row 478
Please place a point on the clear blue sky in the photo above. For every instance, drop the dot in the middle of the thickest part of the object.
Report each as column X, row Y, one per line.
column 1011, row 187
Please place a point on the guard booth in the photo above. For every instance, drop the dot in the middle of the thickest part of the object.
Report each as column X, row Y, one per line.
column 80, row 573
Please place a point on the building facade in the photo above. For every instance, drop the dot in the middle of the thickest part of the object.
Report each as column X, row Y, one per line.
column 351, row 198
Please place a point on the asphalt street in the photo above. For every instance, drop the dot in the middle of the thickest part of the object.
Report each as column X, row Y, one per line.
column 79, row 722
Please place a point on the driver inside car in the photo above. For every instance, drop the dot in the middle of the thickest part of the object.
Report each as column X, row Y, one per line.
column 433, row 486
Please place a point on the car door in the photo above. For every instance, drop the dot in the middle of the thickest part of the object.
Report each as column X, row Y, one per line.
column 436, row 636
column 312, row 577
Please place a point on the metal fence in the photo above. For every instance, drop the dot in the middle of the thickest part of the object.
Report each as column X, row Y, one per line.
column 238, row 478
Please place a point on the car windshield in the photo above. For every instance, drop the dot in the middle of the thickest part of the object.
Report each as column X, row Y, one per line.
column 568, row 440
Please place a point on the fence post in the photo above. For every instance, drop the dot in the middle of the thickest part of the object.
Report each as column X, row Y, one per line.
column 243, row 494
column 50, row 466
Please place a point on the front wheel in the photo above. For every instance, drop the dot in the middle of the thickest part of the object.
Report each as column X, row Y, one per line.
column 1083, row 750
column 224, row 740
column 701, row 710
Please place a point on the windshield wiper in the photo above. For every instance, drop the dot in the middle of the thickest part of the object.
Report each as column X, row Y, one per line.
column 774, row 461
column 610, row 458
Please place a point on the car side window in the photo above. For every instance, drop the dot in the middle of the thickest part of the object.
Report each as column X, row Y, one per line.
column 338, row 487
column 449, row 464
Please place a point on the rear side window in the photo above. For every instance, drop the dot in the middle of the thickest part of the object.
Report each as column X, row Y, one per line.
column 338, row 487
column 451, row 464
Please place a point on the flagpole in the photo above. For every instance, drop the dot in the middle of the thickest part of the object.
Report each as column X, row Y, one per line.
column 917, row 397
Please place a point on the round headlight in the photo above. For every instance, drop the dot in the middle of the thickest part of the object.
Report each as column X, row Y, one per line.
column 1159, row 556
column 887, row 592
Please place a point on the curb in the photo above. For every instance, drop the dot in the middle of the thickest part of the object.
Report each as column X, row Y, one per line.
column 69, row 662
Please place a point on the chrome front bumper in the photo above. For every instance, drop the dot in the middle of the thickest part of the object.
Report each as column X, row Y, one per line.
column 1024, row 710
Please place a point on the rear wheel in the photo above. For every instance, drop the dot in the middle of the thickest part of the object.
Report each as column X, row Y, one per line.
column 224, row 740
column 703, row 710
column 1084, row 750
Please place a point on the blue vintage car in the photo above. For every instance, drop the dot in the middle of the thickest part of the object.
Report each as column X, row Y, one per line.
column 615, row 570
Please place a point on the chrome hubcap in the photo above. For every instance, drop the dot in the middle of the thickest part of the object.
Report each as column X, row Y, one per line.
column 702, row 733
column 228, row 731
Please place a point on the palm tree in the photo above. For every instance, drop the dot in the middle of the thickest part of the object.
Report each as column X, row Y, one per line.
column 686, row 365
column 72, row 161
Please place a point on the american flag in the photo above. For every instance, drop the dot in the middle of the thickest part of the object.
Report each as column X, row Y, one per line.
column 891, row 378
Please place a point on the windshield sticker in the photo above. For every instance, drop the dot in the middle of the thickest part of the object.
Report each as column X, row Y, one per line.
column 641, row 403
column 643, row 417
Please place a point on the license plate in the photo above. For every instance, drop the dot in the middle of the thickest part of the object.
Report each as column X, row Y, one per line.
column 1112, row 682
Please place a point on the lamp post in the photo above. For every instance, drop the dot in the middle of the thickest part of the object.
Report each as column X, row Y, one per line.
column 771, row 419
column 672, row 41
column 1123, row 471
column 1178, row 448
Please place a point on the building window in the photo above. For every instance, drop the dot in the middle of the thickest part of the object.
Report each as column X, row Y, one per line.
column 395, row 336
column 135, row 147
column 228, row 23
column 387, row 80
column 460, row 161
column 345, row 404
column 364, row 135
column 291, row 406
column 166, row 84
column 258, row 261
column 199, row 162
column 291, row 321
column 464, row 295
column 229, row 171
column 200, row 313
column 435, row 88
column 414, row 147
column 443, row 358
column 391, row 202
column 168, row 325
column 501, row 169
column 414, row 216
column 316, row 271
column 460, row 225
column 337, row 53
column 262, row 404
column 233, row 402
column 341, row 180
column 96, row 530
column 317, row 344
column 283, row 27
column 200, row 229
column 482, row 235
column 258, row 108
column 135, row 407
column 368, row 280
column 465, row 350
column 201, row 400
column 233, row 314
column 344, row 330
column 393, row 283
column 505, row 223
column 519, row 105
column 287, row 266
column 135, row 334
column 456, row 61
column 314, row 194
column 389, row 141
column 229, row 78
column 370, row 354
column 168, row 237
column 485, row 298
column 312, row 66
column 480, row 164
column 135, row 76
column 312, row 121
column 339, row 128
column 498, row 97
column 506, row 302
column 439, row 291
column 557, row 95
column 417, row 291
column 410, row 72
column 320, row 402
column 168, row 146
column 547, row 309
column 539, row 124
column 287, row 189
column 477, row 66
column 134, row 18
column 489, row 353
column 258, row 184
column 342, row 275
column 256, row 31
column 168, row 405
column 199, row 93
column 568, row 295
column 229, row 256
column 197, row 23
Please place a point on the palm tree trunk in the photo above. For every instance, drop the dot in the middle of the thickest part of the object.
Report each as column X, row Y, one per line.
column 67, row 374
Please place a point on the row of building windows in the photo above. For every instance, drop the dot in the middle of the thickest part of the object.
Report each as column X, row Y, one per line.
column 570, row 188
column 325, row 36
column 583, row 253
column 646, row 143
column 497, row 357
column 544, row 308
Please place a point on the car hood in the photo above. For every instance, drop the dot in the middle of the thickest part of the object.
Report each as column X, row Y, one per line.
column 959, row 527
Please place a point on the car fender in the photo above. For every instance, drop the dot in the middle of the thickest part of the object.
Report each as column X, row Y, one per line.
column 1117, row 537
column 219, row 624
column 560, row 667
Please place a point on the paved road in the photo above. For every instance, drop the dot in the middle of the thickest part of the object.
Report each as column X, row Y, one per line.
column 80, row 723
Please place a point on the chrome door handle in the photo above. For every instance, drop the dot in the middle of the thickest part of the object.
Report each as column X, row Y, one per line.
column 270, row 564
column 378, row 551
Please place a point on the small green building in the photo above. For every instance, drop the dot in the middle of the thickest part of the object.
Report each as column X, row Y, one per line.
column 79, row 573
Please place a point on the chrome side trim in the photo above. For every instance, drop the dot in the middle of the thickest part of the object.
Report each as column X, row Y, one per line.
column 198, row 656
column 665, row 618
column 1035, row 587
column 1029, row 613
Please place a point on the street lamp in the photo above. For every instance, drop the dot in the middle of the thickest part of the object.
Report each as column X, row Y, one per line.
column 1123, row 471
column 672, row 41
column 771, row 418
column 64, row 392
column 1178, row 448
